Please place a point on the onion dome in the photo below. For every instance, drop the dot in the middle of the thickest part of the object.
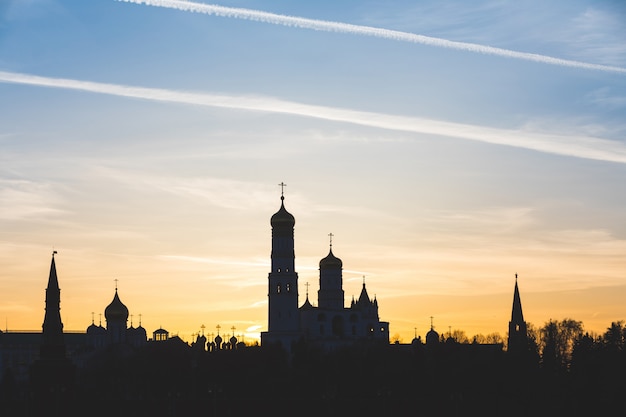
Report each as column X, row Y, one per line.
column 331, row 262
column 233, row 341
column 116, row 311
column 94, row 330
column 432, row 337
column 141, row 332
column 282, row 218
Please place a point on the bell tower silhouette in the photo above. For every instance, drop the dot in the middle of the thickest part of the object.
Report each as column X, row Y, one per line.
column 283, row 314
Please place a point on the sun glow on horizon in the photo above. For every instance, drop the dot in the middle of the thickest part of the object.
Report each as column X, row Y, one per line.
column 446, row 149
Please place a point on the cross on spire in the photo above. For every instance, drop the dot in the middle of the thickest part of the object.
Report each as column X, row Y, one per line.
column 139, row 319
column 115, row 283
column 330, row 235
column 282, row 189
column 307, row 289
column 218, row 327
column 233, row 329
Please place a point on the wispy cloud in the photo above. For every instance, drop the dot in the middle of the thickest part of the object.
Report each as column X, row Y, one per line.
column 329, row 26
column 577, row 146
column 27, row 200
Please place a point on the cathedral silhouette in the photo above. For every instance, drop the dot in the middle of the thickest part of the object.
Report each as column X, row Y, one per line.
column 328, row 325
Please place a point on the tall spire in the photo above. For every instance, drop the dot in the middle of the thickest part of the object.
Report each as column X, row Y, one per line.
column 516, row 312
column 52, row 375
column 518, row 337
column 53, row 346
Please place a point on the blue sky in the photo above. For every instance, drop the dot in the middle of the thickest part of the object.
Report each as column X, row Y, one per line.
column 145, row 142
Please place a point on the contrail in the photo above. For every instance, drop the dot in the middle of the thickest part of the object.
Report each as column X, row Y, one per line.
column 329, row 26
column 577, row 146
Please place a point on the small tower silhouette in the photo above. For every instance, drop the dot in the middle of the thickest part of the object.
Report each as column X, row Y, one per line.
column 518, row 336
column 330, row 294
column 53, row 345
column 52, row 375
column 116, row 315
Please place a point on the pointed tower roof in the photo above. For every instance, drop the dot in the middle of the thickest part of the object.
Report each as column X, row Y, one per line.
column 53, row 280
column 516, row 312
column 53, row 346
column 363, row 298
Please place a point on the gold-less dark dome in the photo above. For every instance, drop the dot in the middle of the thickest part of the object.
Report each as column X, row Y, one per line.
column 282, row 218
column 331, row 261
column 432, row 337
column 116, row 311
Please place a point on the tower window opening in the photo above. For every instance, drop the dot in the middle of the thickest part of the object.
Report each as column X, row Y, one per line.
column 278, row 289
column 288, row 287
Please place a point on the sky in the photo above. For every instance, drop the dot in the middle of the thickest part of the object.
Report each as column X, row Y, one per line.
column 446, row 145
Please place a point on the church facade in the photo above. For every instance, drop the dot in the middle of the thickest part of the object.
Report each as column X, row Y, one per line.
column 328, row 325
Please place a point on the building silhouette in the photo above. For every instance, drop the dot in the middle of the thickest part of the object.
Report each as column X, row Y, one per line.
column 52, row 374
column 329, row 324
column 116, row 331
column 518, row 332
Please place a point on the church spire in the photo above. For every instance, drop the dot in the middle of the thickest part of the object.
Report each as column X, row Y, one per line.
column 518, row 337
column 52, row 375
column 516, row 313
column 53, row 346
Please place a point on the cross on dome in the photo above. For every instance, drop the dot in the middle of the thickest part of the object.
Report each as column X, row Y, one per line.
column 282, row 190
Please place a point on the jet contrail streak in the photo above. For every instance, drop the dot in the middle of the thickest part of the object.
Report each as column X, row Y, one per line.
column 577, row 146
column 395, row 35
